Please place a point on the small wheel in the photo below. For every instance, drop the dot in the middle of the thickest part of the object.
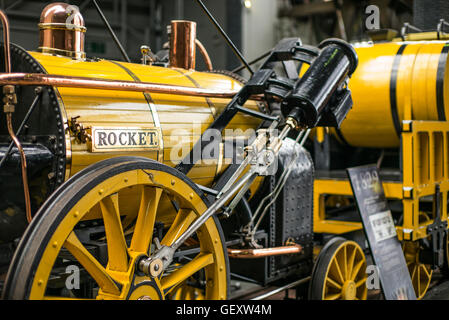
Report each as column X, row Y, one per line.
column 339, row 272
column 420, row 273
column 103, row 221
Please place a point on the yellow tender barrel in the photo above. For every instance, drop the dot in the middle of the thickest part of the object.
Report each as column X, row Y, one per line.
column 389, row 77
column 180, row 120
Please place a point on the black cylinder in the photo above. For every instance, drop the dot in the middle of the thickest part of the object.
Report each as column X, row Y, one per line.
column 336, row 61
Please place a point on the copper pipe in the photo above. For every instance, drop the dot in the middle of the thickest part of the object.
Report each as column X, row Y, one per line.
column 6, row 44
column 182, row 44
column 203, row 51
column 38, row 79
column 105, row 84
column 5, row 24
column 265, row 252
column 205, row 55
column 23, row 164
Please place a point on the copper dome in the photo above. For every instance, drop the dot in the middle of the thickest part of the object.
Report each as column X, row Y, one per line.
column 62, row 30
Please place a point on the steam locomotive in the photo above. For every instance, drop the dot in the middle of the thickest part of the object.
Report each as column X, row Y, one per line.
column 155, row 181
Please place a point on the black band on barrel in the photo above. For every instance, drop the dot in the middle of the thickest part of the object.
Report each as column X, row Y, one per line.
column 393, row 83
column 440, row 82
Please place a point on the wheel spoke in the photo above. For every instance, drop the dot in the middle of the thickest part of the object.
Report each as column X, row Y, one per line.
column 356, row 269
column 426, row 271
column 351, row 262
column 92, row 266
column 333, row 283
column 333, row 296
column 337, row 266
column 360, row 282
column 183, row 220
column 413, row 276
column 143, row 231
column 199, row 262
column 419, row 280
column 117, row 250
column 345, row 261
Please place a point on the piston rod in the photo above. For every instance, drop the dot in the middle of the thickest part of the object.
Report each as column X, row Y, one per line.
column 212, row 209
column 162, row 258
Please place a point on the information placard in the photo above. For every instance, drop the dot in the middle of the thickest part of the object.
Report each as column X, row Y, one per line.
column 380, row 231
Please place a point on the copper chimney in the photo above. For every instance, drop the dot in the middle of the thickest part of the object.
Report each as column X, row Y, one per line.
column 182, row 44
column 61, row 31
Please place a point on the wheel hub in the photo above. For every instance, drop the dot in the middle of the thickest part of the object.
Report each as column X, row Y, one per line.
column 144, row 292
column 349, row 290
column 145, row 289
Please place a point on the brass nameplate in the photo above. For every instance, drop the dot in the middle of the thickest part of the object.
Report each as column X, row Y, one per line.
column 124, row 139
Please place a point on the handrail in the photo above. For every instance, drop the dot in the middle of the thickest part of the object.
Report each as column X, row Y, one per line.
column 106, row 84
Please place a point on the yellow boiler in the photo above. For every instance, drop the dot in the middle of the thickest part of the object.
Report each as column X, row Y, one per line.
column 178, row 121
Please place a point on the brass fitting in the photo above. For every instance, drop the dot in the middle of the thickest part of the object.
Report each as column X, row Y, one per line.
column 9, row 99
column 148, row 57
column 78, row 131
column 291, row 122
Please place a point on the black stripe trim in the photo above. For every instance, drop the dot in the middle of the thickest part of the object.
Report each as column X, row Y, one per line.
column 151, row 106
column 440, row 82
column 136, row 79
column 393, row 85
column 196, row 84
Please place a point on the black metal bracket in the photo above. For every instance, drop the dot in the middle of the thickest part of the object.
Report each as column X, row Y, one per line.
column 440, row 27
column 437, row 230
column 405, row 30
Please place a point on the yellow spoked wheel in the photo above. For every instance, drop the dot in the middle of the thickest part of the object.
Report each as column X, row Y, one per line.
column 420, row 273
column 339, row 272
column 102, row 221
